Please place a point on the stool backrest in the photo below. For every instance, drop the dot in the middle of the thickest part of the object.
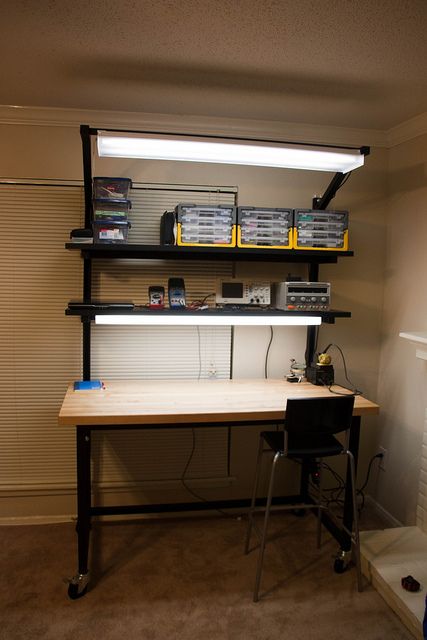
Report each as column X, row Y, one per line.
column 307, row 416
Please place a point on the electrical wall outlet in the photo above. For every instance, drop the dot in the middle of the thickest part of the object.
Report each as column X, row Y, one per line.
column 383, row 460
column 212, row 370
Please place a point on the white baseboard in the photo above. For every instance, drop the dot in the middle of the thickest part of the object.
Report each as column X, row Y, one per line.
column 28, row 520
column 391, row 520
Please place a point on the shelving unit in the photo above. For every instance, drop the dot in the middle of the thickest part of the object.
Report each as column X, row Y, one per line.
column 143, row 251
column 89, row 252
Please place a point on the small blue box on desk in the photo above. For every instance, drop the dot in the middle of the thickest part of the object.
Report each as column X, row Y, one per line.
column 84, row 385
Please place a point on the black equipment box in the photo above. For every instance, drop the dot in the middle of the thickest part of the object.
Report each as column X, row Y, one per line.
column 168, row 228
column 320, row 374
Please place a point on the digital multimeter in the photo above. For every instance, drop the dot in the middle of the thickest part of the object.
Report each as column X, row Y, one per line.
column 156, row 297
column 176, row 293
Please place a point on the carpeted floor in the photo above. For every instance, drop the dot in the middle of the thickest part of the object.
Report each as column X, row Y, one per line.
column 184, row 579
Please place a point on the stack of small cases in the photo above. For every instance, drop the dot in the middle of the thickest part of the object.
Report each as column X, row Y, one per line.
column 206, row 225
column 320, row 229
column 111, row 208
column 260, row 227
column 255, row 227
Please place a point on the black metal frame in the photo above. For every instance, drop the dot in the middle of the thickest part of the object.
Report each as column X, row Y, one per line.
column 83, row 432
column 87, row 261
column 85, row 510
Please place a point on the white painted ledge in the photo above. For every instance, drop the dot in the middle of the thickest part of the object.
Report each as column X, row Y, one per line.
column 388, row 556
column 419, row 340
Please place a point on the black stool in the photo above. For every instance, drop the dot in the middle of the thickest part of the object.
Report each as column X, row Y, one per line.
column 308, row 432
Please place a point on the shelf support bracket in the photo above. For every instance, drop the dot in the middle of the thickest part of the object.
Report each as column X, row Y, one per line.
column 321, row 203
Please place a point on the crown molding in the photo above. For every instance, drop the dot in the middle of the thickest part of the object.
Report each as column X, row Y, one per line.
column 407, row 130
column 292, row 132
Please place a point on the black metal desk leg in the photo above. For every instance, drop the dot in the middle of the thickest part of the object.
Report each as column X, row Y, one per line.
column 348, row 502
column 78, row 584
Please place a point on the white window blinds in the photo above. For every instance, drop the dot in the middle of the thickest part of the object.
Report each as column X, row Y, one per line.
column 41, row 347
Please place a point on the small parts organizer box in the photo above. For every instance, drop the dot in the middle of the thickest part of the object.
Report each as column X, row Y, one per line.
column 205, row 225
column 320, row 230
column 259, row 228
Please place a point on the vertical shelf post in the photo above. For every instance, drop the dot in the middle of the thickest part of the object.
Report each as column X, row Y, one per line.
column 313, row 276
column 87, row 261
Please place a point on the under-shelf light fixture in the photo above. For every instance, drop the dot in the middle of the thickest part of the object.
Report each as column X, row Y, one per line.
column 198, row 319
column 214, row 149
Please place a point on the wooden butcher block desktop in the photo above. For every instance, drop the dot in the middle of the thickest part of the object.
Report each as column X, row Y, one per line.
column 126, row 402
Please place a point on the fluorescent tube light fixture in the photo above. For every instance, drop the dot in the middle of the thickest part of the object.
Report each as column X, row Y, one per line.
column 229, row 151
column 198, row 319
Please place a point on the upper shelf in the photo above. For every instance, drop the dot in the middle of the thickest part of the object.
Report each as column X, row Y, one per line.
column 168, row 252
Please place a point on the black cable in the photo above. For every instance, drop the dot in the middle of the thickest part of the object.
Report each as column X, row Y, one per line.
column 335, row 497
column 354, row 390
column 377, row 455
column 266, row 354
column 185, row 485
column 316, row 341
column 344, row 364
column 345, row 180
column 334, row 491
column 199, row 304
column 206, row 297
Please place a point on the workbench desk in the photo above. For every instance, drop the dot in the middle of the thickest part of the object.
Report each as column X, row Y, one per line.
column 154, row 404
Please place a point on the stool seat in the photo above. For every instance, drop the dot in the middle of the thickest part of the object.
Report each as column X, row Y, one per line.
column 301, row 446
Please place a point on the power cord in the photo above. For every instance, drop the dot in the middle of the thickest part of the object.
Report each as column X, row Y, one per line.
column 267, row 352
column 354, row 391
column 199, row 304
column 337, row 491
column 190, row 491
column 345, row 180
column 360, row 491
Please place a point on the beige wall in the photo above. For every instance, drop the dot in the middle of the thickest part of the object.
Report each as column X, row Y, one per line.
column 357, row 283
column 402, row 377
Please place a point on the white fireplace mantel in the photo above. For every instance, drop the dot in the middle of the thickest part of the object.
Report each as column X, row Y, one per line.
column 419, row 340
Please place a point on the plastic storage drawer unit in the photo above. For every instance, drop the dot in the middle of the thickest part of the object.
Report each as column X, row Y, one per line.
column 110, row 232
column 264, row 228
column 111, row 188
column 206, row 225
column 323, row 230
column 111, row 211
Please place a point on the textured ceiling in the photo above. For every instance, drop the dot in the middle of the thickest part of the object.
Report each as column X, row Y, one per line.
column 355, row 63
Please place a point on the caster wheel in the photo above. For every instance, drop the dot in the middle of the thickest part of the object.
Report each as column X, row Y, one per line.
column 339, row 565
column 73, row 591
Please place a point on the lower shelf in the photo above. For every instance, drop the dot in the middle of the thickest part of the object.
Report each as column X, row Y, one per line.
column 142, row 315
